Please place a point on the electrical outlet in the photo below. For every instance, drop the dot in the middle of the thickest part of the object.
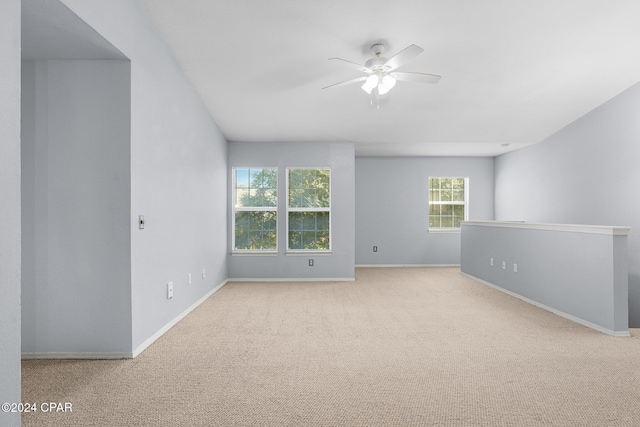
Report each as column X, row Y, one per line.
column 504, row 265
column 204, row 273
column 375, row 249
column 491, row 262
column 310, row 263
column 515, row 268
column 189, row 279
column 169, row 290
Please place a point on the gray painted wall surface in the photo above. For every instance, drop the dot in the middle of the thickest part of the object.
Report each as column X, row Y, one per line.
column 76, row 275
column 392, row 205
column 581, row 274
column 10, row 246
column 340, row 158
column 586, row 173
column 178, row 172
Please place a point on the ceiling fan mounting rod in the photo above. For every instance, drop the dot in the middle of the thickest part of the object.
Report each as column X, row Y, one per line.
column 376, row 64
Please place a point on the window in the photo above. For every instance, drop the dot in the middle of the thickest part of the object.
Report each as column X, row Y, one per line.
column 309, row 209
column 255, row 204
column 447, row 202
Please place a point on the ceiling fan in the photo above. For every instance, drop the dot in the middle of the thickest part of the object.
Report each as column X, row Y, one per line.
column 381, row 77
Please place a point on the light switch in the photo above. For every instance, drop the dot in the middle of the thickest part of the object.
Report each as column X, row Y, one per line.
column 141, row 222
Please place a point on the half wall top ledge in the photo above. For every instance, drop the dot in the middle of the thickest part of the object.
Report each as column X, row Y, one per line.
column 613, row 230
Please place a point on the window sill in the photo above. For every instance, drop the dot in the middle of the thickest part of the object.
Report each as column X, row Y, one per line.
column 254, row 253
column 444, row 230
column 307, row 253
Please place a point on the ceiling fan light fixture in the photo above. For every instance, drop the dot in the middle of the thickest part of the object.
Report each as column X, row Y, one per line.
column 370, row 83
column 386, row 84
column 380, row 72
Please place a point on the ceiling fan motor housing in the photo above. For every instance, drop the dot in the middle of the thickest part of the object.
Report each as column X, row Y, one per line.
column 377, row 63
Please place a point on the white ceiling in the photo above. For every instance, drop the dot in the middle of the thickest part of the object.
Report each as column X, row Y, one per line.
column 513, row 71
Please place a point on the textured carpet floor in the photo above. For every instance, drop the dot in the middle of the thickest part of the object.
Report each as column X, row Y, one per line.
column 397, row 347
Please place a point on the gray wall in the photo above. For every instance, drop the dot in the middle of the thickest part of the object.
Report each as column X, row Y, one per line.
column 178, row 173
column 580, row 272
column 340, row 157
column 10, row 208
column 587, row 173
column 392, row 206
column 76, row 275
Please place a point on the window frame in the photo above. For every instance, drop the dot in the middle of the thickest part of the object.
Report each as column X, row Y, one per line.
column 288, row 209
column 465, row 203
column 235, row 209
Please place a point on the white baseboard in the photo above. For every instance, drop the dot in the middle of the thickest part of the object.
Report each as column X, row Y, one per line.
column 121, row 355
column 75, row 355
column 406, row 265
column 289, row 279
column 551, row 309
column 172, row 323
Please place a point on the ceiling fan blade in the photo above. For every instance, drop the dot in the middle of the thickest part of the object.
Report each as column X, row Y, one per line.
column 407, row 76
column 403, row 56
column 354, row 65
column 348, row 82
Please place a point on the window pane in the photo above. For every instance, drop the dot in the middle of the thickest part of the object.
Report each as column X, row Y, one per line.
column 309, row 221
column 309, row 240
column 270, row 239
column 295, row 221
column 295, row 198
column 255, row 177
column 323, row 240
column 242, row 221
column 322, row 221
column 324, row 178
column 323, row 198
column 263, row 197
column 458, row 195
column 295, row 240
column 256, row 187
column 242, row 241
column 296, row 178
column 309, row 198
column 242, row 178
column 255, row 221
column 309, row 230
column 255, row 230
column 309, row 188
column 242, row 195
column 270, row 221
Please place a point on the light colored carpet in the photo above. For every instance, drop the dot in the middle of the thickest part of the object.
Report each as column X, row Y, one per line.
column 397, row 347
